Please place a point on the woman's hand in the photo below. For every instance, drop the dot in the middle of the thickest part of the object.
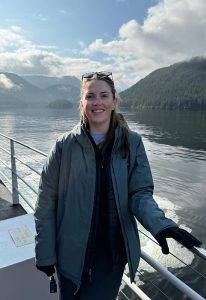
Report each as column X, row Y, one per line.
column 48, row 270
column 180, row 235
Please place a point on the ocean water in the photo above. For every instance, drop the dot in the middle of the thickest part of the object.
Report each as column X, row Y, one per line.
column 176, row 147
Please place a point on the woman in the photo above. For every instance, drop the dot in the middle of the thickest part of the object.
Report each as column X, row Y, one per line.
column 95, row 181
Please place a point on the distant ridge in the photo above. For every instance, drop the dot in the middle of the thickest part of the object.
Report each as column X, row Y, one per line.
column 44, row 82
column 177, row 87
column 38, row 91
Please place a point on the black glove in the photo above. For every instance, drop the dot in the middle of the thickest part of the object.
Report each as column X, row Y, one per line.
column 48, row 270
column 180, row 235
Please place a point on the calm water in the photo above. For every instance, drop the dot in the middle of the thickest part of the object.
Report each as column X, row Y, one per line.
column 176, row 146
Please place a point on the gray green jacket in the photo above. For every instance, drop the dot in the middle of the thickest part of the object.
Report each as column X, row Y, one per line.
column 66, row 197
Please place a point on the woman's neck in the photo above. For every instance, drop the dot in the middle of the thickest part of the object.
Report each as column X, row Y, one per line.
column 98, row 129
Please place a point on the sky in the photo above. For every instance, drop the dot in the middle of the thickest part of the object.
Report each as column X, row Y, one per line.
column 131, row 38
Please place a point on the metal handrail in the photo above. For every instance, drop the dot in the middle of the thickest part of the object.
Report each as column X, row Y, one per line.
column 5, row 164
column 170, row 277
column 24, row 145
column 200, row 252
column 30, row 205
column 4, row 150
column 26, row 183
column 25, row 164
column 7, row 179
column 152, row 283
column 13, row 168
column 135, row 288
column 196, row 250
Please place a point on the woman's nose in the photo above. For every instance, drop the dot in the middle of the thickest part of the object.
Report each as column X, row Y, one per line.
column 97, row 100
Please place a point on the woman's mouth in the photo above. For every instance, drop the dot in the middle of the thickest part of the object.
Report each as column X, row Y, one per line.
column 97, row 110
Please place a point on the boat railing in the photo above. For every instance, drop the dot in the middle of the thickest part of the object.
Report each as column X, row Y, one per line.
column 20, row 170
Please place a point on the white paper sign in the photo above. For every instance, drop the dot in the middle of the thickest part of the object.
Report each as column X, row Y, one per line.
column 21, row 236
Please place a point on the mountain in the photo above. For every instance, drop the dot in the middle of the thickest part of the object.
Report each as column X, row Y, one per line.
column 44, row 82
column 66, row 87
column 179, row 86
column 38, row 91
column 16, row 91
column 63, row 91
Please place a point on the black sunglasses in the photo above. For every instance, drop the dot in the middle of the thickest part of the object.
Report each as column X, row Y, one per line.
column 102, row 74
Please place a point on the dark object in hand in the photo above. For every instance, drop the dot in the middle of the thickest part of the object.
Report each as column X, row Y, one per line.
column 48, row 270
column 53, row 285
column 180, row 235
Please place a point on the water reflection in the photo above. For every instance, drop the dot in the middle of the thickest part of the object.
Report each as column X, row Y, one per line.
column 175, row 128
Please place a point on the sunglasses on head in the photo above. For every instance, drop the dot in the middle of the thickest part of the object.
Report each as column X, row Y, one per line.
column 102, row 74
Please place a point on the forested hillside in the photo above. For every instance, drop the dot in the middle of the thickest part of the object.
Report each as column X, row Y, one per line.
column 179, row 86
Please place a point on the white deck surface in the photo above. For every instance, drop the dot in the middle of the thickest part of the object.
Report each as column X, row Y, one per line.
column 16, row 240
column 19, row 278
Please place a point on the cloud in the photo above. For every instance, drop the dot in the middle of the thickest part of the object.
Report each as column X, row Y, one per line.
column 16, row 28
column 82, row 44
column 65, row 12
column 37, row 61
column 39, row 17
column 172, row 31
column 7, row 84
column 21, row 56
column 11, row 39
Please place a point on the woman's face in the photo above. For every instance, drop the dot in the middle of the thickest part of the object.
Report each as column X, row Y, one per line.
column 98, row 102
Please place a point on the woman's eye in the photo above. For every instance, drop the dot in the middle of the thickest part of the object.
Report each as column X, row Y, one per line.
column 88, row 97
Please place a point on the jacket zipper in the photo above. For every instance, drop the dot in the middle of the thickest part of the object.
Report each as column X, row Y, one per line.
column 90, row 270
column 78, row 287
column 90, row 275
column 125, row 236
column 120, row 217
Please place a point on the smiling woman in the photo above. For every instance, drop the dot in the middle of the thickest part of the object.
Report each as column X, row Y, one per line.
column 95, row 181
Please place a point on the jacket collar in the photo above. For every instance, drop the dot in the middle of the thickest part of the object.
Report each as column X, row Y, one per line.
column 79, row 132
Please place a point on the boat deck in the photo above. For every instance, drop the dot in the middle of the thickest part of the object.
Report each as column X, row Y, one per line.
column 7, row 210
